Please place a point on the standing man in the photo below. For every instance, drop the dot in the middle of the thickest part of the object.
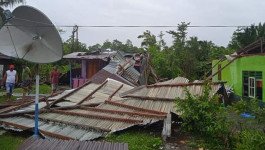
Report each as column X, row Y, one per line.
column 26, row 76
column 55, row 79
column 10, row 78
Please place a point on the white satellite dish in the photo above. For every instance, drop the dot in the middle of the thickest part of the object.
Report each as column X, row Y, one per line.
column 28, row 34
column 31, row 36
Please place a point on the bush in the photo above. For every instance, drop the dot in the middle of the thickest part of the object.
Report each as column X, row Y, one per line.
column 251, row 140
column 205, row 117
column 252, row 107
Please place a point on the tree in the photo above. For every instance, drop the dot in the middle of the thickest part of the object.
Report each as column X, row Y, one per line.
column 106, row 45
column 148, row 39
column 74, row 46
column 244, row 36
column 161, row 42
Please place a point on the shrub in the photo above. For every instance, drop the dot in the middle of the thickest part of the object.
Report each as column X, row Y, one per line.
column 251, row 140
column 205, row 117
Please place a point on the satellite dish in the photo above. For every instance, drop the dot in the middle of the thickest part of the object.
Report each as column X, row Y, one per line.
column 28, row 34
column 31, row 36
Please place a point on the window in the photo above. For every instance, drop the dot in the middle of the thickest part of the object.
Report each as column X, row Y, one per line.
column 252, row 84
column 251, row 87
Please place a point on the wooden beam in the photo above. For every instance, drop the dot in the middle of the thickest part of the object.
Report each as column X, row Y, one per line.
column 93, row 92
column 222, row 59
column 98, row 116
column 150, row 98
column 230, row 62
column 125, row 73
column 123, row 112
column 45, row 110
column 15, row 107
column 134, row 107
column 46, row 98
column 70, row 93
column 109, row 98
column 69, row 123
column 127, row 62
column 42, row 131
column 261, row 45
column 182, row 84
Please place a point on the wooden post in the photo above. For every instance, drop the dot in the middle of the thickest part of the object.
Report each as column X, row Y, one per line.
column 167, row 127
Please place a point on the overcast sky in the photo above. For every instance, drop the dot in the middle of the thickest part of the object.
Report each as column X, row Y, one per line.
column 150, row 12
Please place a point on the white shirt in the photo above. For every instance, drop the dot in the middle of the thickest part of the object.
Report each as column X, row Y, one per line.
column 11, row 76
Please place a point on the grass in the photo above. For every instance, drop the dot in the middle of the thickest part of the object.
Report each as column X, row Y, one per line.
column 3, row 98
column 44, row 89
column 12, row 140
column 137, row 139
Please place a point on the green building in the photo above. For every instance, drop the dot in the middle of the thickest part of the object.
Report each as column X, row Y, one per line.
column 245, row 74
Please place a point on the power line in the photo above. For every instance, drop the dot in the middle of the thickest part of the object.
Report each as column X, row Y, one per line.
column 42, row 24
column 130, row 26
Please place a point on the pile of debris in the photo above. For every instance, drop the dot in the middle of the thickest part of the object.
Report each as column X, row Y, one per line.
column 95, row 110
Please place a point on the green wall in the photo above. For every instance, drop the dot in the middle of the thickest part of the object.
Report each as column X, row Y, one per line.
column 233, row 73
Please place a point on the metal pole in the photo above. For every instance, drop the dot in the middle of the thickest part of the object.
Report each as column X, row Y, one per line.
column 70, row 64
column 36, row 135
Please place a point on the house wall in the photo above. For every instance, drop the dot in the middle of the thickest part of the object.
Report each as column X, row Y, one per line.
column 233, row 73
column 92, row 68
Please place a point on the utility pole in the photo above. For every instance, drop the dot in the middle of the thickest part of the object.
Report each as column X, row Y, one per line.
column 74, row 33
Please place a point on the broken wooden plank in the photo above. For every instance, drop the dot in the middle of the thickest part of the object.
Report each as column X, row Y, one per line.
column 69, row 123
column 93, row 92
column 109, row 98
column 42, row 131
column 123, row 112
column 70, row 93
column 97, row 116
column 134, row 107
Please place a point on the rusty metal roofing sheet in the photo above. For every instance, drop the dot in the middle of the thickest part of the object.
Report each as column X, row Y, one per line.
column 74, row 132
column 54, row 144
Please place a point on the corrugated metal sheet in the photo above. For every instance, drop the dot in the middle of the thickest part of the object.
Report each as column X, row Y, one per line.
column 74, row 132
column 129, row 73
column 84, row 55
column 52, row 144
column 171, row 92
column 142, row 105
column 100, row 96
column 56, row 122
column 109, row 72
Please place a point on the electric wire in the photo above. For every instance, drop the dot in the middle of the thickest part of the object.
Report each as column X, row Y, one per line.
column 128, row 26
column 43, row 24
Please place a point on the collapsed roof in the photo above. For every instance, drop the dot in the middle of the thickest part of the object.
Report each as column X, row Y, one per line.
column 95, row 110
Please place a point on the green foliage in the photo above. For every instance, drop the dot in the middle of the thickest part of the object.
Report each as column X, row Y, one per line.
column 137, row 140
column 185, row 57
column 252, row 106
column 149, row 40
column 116, row 45
column 43, row 89
column 251, row 140
column 206, row 118
column 244, row 36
